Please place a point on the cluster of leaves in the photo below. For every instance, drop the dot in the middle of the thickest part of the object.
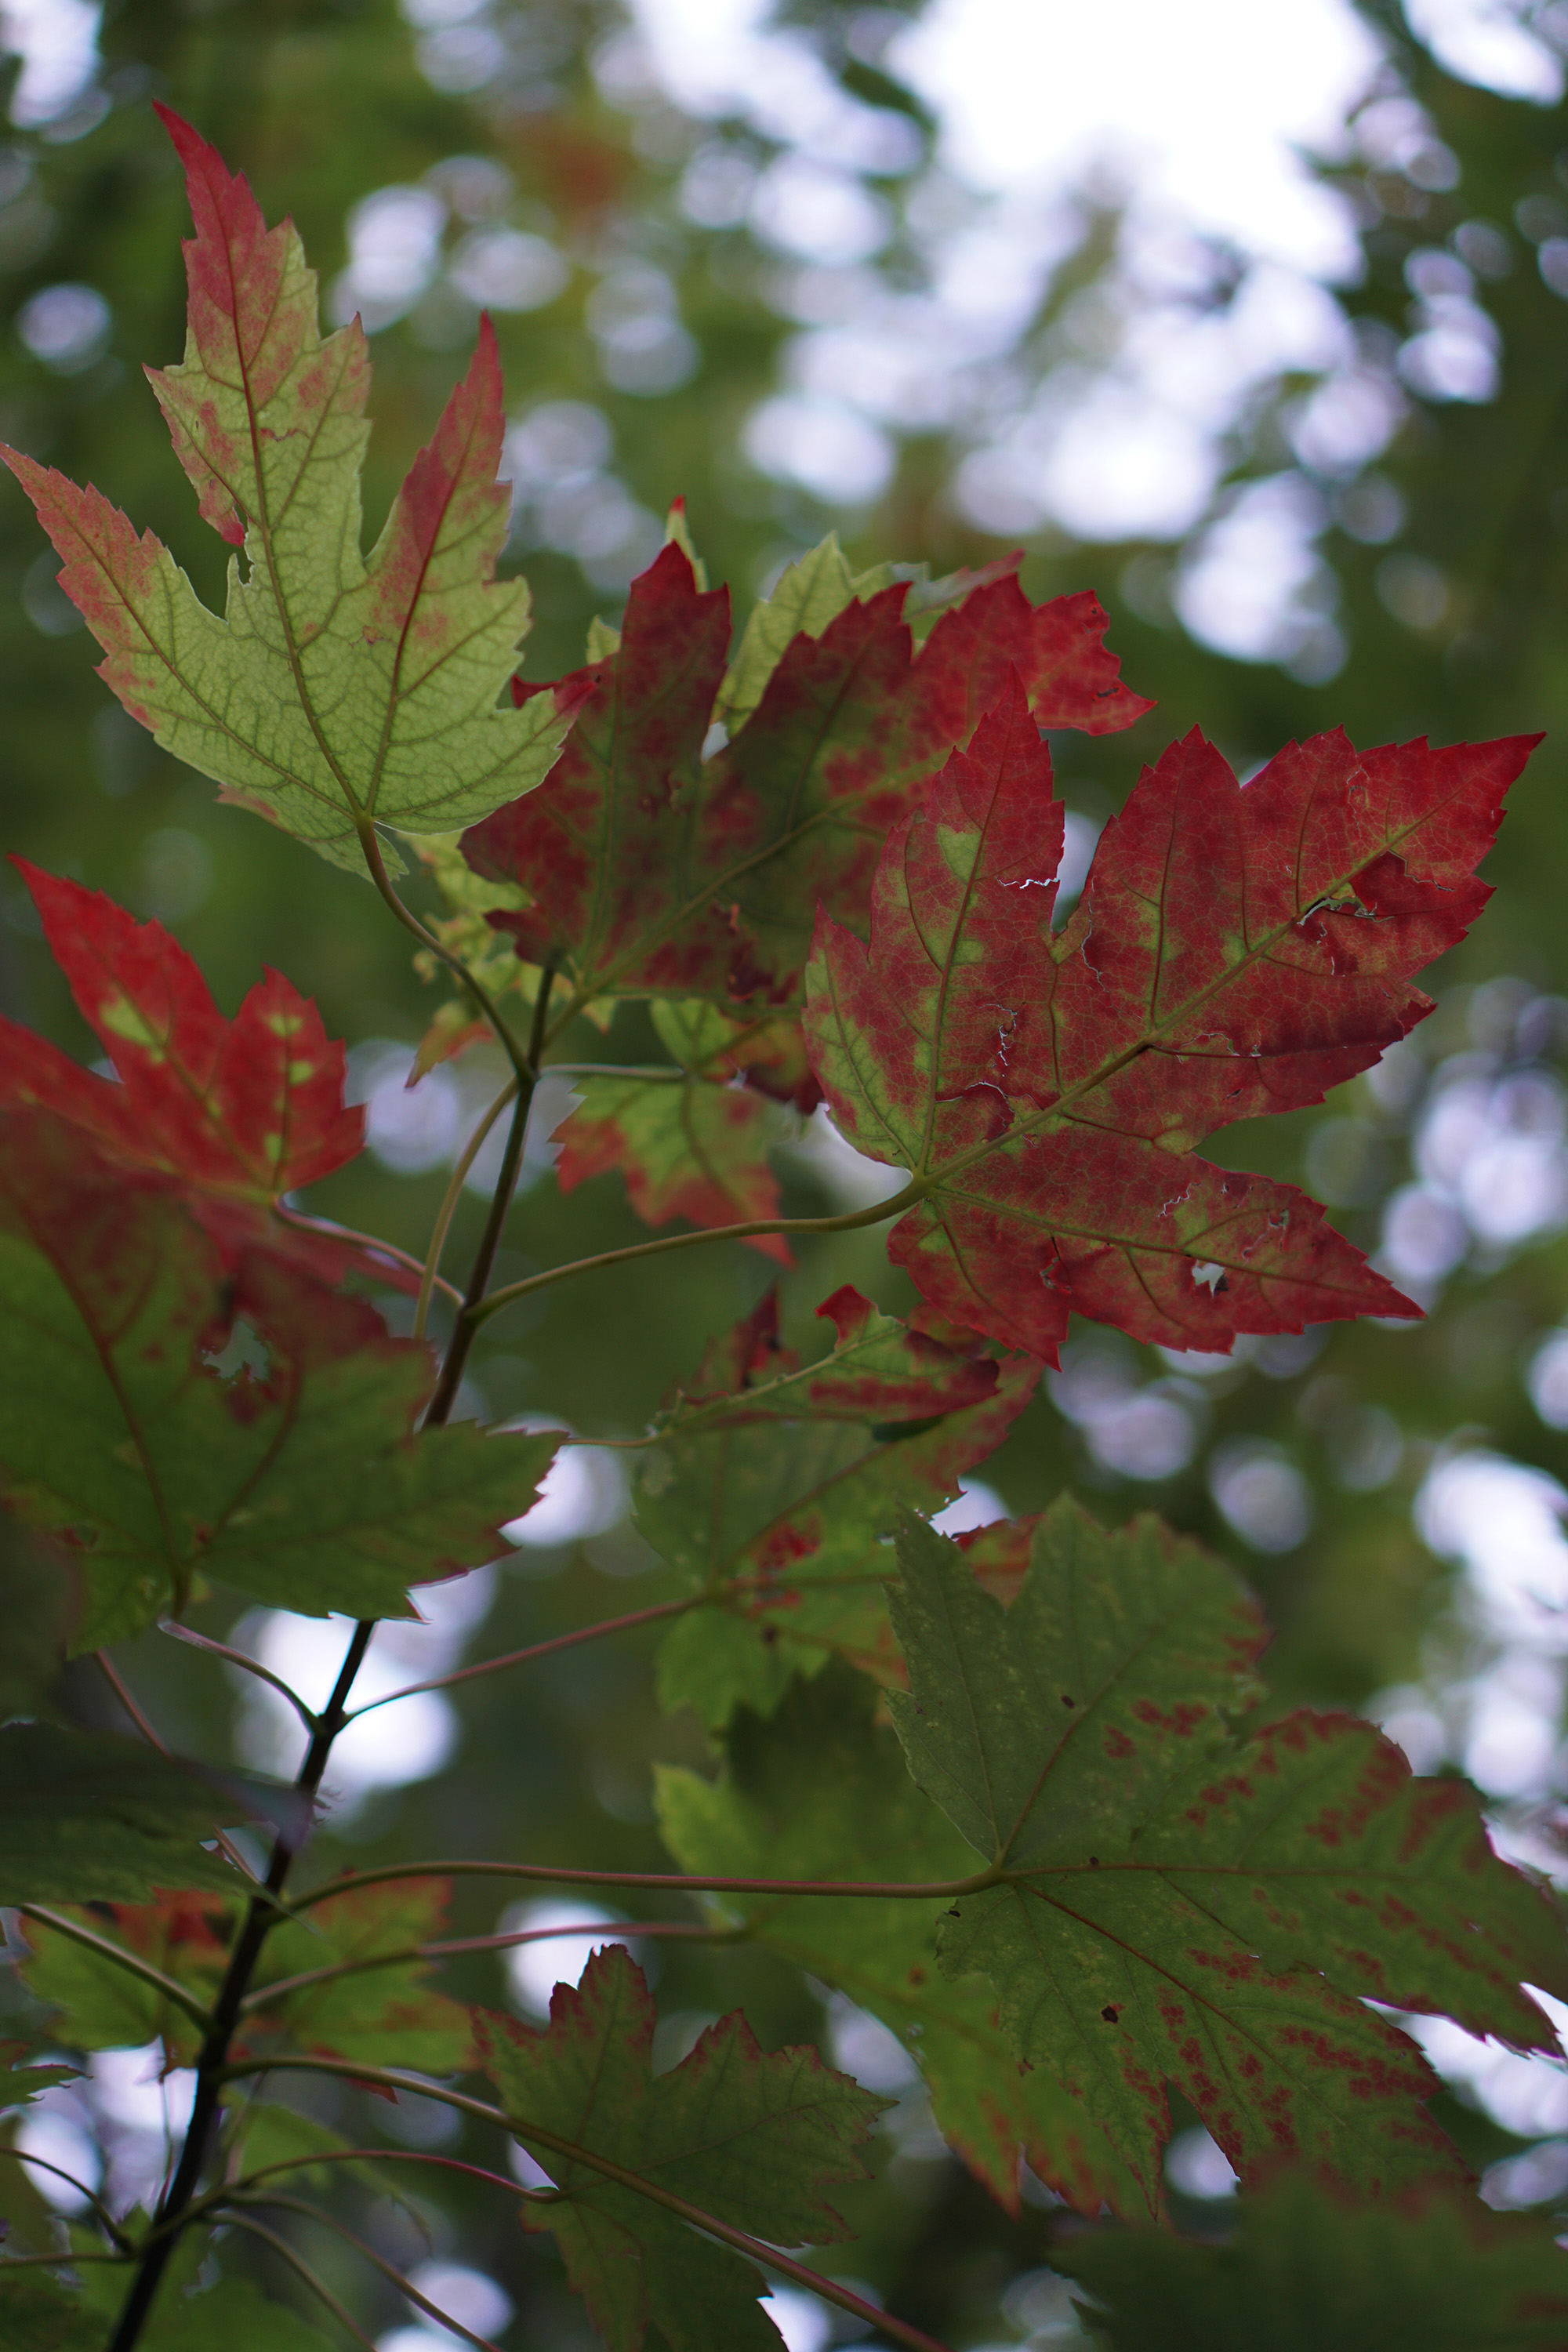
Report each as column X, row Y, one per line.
column 1021, row 1798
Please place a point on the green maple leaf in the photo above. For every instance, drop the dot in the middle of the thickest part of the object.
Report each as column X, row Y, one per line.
column 775, row 1497
column 820, row 1793
column 37, row 2316
column 386, row 2014
column 301, row 1485
column 1171, row 1904
column 337, row 691
column 1307, row 2269
column 233, row 2315
column 87, row 1817
column 746, row 2137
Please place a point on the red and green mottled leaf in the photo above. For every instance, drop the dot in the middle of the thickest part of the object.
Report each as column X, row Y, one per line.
column 1174, row 1906
column 652, row 869
column 752, row 2138
column 772, row 1488
column 1430, row 2271
column 388, row 2015
column 239, row 1112
column 1236, row 950
column 336, row 689
column 101, row 2005
column 817, row 1792
column 299, row 1483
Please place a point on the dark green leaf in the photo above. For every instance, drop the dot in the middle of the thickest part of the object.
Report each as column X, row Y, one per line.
column 1312, row 2270
column 750, row 2139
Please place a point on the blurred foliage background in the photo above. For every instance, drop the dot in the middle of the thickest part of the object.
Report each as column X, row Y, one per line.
column 750, row 301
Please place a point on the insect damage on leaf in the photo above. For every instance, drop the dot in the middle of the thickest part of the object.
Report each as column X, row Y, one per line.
column 1176, row 1907
column 752, row 2138
column 1236, row 950
column 773, row 1487
column 300, row 1484
column 819, row 1792
column 652, row 868
column 337, row 690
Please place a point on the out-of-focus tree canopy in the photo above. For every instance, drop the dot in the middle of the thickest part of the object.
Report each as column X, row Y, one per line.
column 733, row 307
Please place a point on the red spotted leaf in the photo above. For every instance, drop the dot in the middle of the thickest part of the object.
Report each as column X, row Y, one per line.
column 1236, row 950
column 1173, row 1905
column 654, row 869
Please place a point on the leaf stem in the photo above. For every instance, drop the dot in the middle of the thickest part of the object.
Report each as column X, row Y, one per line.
column 110, row 2226
column 388, row 2270
column 334, row 1232
column 107, row 1949
column 448, row 1209
column 851, row 1221
column 519, row 2127
column 539, row 1650
column 378, row 2155
column 470, row 1313
column 307, row 1716
column 298, row 2263
column 667, row 1883
column 370, row 842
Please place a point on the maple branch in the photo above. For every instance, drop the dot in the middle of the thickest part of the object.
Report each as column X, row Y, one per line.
column 298, row 2263
column 307, row 1716
column 171, row 1989
column 539, row 1650
column 767, row 2257
column 261, row 1915
column 912, row 1890
column 448, row 1209
column 469, row 1314
column 851, row 1221
column 688, row 1931
column 525, row 1068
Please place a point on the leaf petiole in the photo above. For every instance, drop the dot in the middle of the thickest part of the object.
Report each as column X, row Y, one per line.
column 370, row 842
column 448, row 1209
column 902, row 1890
column 640, row 1929
column 539, row 1650
column 107, row 1949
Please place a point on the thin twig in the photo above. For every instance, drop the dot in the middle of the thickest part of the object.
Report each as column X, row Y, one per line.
column 430, row 1273
column 21, row 2156
column 634, row 1929
column 538, row 1649
column 384, row 2156
column 296, row 2263
column 334, row 1232
column 388, row 2270
column 307, row 1716
column 667, row 1883
column 849, row 1221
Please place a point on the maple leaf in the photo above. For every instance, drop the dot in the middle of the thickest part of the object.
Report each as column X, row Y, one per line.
column 653, row 870
column 751, row 2138
column 1236, row 950
column 817, row 1792
column 300, row 1484
column 776, row 1496
column 337, row 691
column 1173, row 1905
column 232, row 2312
column 88, row 1818
column 386, row 2015
column 239, row 1112
column 101, row 2005
column 694, row 1146
column 1430, row 2271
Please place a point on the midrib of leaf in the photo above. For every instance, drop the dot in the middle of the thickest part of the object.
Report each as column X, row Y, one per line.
column 1303, row 2081
column 1055, row 1110
column 944, row 983
column 1081, row 1716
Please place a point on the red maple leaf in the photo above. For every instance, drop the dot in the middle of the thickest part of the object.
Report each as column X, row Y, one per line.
column 653, row 869
column 1236, row 950
column 239, row 1112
